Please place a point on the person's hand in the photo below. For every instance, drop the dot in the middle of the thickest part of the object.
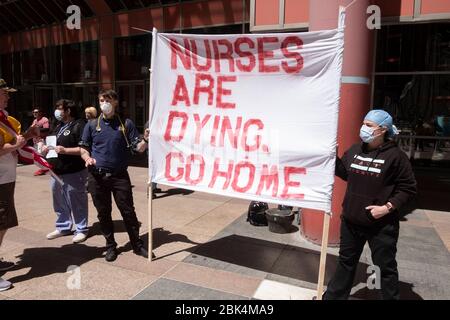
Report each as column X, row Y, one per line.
column 20, row 142
column 90, row 162
column 33, row 132
column 378, row 211
column 60, row 150
column 45, row 149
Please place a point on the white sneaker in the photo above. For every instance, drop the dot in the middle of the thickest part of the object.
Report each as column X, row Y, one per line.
column 56, row 234
column 79, row 237
column 4, row 285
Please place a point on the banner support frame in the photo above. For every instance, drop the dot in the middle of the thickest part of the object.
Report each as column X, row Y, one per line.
column 150, row 166
column 327, row 215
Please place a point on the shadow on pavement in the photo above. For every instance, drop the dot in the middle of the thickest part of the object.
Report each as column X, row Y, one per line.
column 119, row 227
column 279, row 260
column 406, row 293
column 50, row 260
column 171, row 192
column 161, row 237
column 271, row 257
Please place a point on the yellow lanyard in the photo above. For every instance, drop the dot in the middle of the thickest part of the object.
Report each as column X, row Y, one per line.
column 122, row 127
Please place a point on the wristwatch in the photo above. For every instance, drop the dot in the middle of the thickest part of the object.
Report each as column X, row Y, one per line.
column 389, row 206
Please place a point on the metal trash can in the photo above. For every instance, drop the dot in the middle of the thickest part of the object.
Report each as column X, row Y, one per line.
column 280, row 221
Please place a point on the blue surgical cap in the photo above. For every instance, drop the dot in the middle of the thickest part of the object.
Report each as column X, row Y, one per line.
column 384, row 119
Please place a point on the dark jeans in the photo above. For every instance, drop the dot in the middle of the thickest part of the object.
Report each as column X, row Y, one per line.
column 382, row 241
column 101, row 186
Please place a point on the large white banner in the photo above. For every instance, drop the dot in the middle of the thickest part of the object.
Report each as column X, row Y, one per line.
column 247, row 116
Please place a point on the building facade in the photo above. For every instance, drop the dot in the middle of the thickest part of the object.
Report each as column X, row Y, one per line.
column 46, row 61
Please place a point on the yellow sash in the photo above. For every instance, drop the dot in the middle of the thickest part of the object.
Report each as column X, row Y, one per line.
column 7, row 138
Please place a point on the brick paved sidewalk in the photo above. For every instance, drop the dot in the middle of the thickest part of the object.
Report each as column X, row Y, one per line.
column 205, row 250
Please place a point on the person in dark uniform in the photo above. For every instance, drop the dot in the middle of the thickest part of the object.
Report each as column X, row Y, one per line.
column 380, row 181
column 107, row 143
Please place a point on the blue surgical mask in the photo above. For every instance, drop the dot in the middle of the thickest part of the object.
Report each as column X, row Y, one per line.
column 366, row 134
column 58, row 114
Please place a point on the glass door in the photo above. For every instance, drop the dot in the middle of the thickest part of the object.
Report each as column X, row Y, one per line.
column 133, row 103
column 44, row 98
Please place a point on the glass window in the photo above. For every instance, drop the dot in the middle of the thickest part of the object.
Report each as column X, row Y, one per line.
column 22, row 101
column 35, row 66
column 140, row 115
column 17, row 69
column 417, row 89
column 41, row 65
column 83, row 96
column 6, row 71
column 420, row 105
column 419, row 47
column 125, row 101
column 409, row 98
column 133, row 57
column 80, row 62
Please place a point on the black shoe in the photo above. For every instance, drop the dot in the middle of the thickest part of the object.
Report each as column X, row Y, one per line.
column 141, row 251
column 6, row 265
column 111, row 254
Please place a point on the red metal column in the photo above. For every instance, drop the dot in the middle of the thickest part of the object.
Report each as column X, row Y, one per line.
column 355, row 96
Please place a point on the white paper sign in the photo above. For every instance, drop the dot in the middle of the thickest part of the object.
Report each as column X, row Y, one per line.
column 248, row 116
column 50, row 141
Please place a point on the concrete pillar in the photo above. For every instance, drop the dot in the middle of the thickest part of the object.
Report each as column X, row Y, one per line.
column 355, row 96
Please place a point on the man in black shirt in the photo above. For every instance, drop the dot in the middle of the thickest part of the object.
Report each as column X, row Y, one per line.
column 69, row 200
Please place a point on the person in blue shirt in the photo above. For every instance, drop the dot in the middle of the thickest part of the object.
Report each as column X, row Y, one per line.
column 107, row 143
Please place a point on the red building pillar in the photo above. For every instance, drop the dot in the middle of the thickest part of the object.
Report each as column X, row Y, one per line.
column 355, row 96
column 106, row 52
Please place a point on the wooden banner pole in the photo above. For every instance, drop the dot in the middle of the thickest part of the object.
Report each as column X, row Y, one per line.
column 150, row 166
column 327, row 215
column 323, row 255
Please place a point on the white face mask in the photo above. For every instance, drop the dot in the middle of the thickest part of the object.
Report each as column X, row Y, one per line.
column 106, row 108
column 58, row 115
